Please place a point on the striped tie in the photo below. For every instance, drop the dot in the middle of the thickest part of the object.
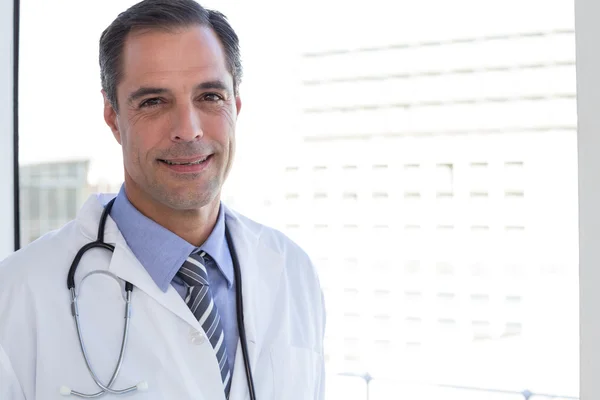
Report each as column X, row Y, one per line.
column 200, row 301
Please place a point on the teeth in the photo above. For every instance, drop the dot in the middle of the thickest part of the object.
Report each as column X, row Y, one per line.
column 189, row 163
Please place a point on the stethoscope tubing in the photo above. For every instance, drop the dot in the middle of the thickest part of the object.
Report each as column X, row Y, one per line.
column 105, row 389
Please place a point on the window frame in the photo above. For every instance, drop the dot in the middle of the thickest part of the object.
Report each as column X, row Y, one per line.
column 9, row 199
column 588, row 144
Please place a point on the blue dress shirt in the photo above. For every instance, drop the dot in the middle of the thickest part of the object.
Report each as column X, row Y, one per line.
column 162, row 253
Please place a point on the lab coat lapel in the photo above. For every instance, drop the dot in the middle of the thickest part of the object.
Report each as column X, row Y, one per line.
column 261, row 270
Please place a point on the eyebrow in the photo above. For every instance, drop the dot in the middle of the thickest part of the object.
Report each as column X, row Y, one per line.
column 145, row 91
column 217, row 84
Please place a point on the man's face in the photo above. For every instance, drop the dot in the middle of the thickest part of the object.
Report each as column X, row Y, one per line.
column 176, row 117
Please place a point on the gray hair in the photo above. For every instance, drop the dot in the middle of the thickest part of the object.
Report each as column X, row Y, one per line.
column 164, row 15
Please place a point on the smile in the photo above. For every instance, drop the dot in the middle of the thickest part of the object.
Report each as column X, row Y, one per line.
column 200, row 161
column 192, row 165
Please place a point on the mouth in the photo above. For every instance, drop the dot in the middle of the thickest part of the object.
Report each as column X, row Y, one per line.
column 187, row 165
column 195, row 161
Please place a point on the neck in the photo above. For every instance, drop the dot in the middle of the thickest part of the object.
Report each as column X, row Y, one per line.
column 194, row 225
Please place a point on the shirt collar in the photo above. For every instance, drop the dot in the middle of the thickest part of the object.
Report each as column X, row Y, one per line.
column 216, row 246
column 161, row 251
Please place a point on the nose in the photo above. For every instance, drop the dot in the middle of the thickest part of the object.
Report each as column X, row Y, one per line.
column 187, row 126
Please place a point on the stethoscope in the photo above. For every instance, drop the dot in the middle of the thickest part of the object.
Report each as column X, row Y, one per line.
column 142, row 386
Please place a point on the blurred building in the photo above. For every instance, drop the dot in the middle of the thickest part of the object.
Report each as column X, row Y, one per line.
column 52, row 194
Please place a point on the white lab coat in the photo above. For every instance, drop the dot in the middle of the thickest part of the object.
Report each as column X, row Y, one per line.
column 39, row 351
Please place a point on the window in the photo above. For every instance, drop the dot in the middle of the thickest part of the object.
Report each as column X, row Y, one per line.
column 419, row 160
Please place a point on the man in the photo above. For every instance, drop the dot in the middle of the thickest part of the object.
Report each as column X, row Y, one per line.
column 170, row 76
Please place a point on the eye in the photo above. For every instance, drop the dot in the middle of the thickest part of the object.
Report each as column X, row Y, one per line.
column 212, row 97
column 149, row 103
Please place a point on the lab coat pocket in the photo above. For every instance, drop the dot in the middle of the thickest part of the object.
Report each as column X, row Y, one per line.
column 295, row 372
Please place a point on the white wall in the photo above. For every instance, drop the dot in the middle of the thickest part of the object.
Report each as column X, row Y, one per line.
column 6, row 129
column 588, row 107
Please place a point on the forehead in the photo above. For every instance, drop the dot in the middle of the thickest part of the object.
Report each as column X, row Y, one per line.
column 173, row 56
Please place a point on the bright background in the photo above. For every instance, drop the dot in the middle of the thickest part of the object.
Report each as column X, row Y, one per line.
column 424, row 154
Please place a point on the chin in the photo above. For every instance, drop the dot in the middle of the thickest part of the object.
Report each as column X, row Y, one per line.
column 191, row 200
column 186, row 195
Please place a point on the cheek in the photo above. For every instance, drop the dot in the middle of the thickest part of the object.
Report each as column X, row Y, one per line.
column 133, row 153
column 219, row 130
column 142, row 136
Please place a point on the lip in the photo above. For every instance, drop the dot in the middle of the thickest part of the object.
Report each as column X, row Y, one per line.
column 187, row 160
column 188, row 168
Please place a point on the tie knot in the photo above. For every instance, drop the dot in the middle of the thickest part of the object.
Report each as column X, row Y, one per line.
column 193, row 271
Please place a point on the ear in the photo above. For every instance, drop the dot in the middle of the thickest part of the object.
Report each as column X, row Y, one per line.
column 238, row 104
column 110, row 117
